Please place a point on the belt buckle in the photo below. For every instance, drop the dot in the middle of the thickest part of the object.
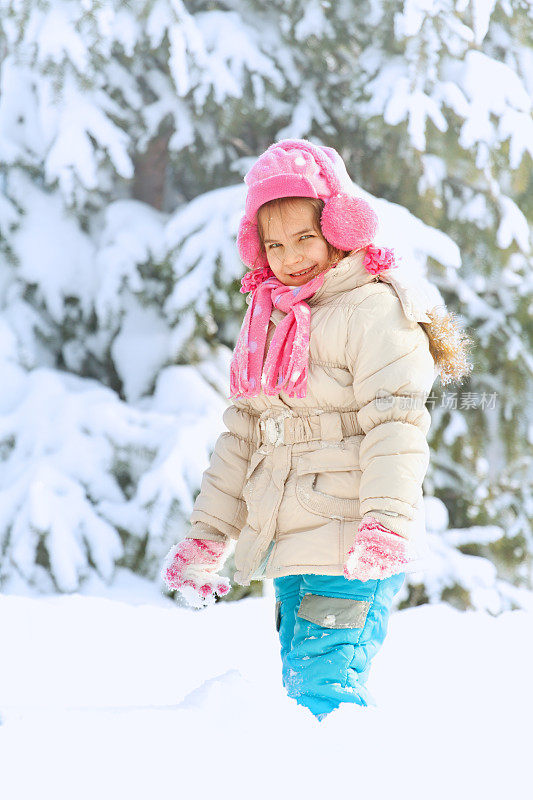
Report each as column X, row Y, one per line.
column 274, row 430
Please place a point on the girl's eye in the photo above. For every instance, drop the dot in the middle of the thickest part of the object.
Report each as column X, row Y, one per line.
column 305, row 236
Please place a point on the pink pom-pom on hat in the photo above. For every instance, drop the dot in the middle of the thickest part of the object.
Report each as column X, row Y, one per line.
column 298, row 168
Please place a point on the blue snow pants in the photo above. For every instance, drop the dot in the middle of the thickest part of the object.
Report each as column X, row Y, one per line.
column 329, row 629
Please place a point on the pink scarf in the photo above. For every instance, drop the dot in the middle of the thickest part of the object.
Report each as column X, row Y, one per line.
column 286, row 363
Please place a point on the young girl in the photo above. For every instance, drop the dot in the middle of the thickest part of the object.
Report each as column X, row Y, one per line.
column 319, row 475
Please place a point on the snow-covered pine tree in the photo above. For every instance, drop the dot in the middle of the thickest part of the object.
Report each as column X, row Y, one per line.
column 109, row 366
column 430, row 104
column 131, row 128
column 454, row 88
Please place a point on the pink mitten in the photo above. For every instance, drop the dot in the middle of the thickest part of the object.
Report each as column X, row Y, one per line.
column 191, row 568
column 376, row 553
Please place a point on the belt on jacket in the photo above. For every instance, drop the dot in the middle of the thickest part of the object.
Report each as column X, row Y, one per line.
column 333, row 426
column 284, row 426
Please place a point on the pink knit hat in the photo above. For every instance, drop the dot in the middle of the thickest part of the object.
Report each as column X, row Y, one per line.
column 298, row 168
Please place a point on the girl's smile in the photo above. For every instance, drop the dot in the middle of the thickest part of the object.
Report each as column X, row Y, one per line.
column 303, row 272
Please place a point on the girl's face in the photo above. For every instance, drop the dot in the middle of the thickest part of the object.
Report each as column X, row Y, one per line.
column 295, row 250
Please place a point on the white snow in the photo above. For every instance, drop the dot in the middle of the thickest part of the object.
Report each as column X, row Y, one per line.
column 456, row 427
column 54, row 253
column 200, row 234
column 119, row 692
column 494, row 90
column 481, row 12
column 313, row 21
column 141, row 348
column 513, row 225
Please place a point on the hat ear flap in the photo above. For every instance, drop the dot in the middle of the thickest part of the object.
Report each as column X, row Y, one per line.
column 348, row 223
column 249, row 246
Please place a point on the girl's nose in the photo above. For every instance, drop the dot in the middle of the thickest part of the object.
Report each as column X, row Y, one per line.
column 292, row 256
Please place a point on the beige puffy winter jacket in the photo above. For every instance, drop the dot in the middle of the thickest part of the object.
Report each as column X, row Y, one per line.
column 292, row 478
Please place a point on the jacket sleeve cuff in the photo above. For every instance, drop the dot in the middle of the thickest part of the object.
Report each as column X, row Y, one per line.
column 207, row 522
column 396, row 523
column 200, row 530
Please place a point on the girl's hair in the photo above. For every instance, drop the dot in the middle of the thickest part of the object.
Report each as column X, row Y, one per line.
column 449, row 344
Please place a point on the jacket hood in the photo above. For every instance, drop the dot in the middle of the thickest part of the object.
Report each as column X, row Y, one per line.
column 350, row 273
column 347, row 275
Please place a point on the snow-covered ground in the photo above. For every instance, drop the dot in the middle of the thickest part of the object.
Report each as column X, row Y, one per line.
column 119, row 693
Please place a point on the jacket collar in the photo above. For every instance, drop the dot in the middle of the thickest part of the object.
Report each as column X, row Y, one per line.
column 414, row 295
column 348, row 274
